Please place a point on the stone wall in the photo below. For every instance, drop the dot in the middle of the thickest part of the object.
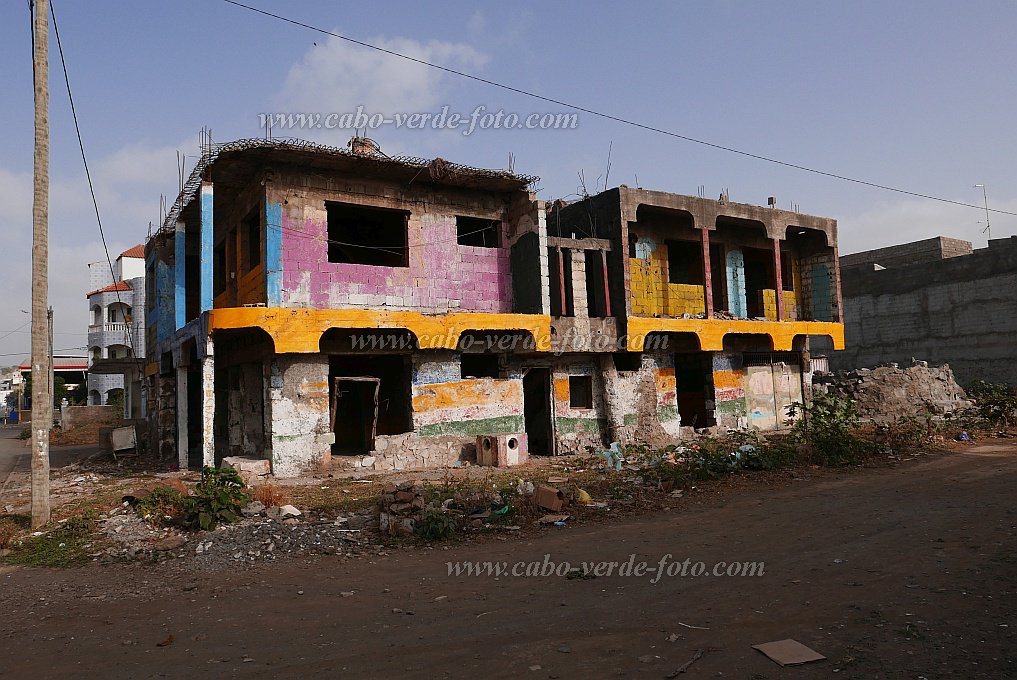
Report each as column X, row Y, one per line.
column 887, row 393
column 961, row 310
column 76, row 416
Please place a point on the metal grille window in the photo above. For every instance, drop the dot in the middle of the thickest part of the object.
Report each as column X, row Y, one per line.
column 772, row 358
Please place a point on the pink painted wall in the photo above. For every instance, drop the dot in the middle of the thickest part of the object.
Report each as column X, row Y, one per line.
column 441, row 271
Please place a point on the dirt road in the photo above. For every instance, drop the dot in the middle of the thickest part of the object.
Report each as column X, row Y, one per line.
column 906, row 572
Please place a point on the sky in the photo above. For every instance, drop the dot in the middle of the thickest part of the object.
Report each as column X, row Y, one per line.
column 912, row 94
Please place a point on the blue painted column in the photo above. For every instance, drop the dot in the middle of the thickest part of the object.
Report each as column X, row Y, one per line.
column 207, row 257
column 180, row 276
column 273, row 254
column 737, row 302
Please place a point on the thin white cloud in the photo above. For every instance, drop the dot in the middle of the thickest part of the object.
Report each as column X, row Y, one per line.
column 888, row 224
column 127, row 182
column 337, row 76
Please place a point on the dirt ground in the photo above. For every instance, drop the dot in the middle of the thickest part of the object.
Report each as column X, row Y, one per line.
column 900, row 572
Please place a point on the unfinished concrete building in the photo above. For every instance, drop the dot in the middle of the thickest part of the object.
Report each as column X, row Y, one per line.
column 319, row 307
column 715, row 303
column 935, row 300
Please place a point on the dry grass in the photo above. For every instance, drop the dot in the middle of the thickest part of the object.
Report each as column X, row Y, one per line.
column 11, row 526
column 270, row 495
column 87, row 433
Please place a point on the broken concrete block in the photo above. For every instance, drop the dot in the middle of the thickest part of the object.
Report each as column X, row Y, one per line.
column 281, row 512
column 249, row 469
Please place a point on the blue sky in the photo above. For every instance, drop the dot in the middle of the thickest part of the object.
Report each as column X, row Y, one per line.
column 910, row 94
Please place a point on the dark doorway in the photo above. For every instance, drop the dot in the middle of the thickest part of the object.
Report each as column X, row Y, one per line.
column 718, row 273
column 759, row 276
column 692, row 373
column 392, row 373
column 355, row 414
column 195, row 453
column 537, row 411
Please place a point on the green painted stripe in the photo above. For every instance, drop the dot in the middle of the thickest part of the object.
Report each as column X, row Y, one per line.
column 734, row 407
column 465, row 428
column 667, row 413
column 575, row 425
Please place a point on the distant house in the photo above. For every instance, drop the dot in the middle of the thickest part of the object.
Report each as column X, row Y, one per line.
column 116, row 335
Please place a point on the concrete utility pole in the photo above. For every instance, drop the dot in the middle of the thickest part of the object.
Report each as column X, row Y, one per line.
column 42, row 362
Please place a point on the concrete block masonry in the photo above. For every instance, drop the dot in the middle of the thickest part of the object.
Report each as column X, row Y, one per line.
column 888, row 393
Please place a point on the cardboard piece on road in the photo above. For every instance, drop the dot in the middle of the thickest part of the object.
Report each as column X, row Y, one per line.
column 789, row 652
column 549, row 498
column 552, row 519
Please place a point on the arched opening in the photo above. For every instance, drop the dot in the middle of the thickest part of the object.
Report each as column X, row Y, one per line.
column 115, row 398
column 96, row 315
column 811, row 261
column 94, row 398
column 119, row 352
column 740, row 343
column 118, row 312
column 742, row 267
column 666, row 265
column 95, row 353
column 369, row 340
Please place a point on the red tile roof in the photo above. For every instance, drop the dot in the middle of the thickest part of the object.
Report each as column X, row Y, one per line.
column 136, row 251
column 118, row 286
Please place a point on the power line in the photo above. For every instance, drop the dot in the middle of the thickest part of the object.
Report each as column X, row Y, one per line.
column 88, row 174
column 16, row 330
column 615, row 118
column 22, row 354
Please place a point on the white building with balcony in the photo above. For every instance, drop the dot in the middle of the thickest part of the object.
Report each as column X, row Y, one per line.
column 116, row 334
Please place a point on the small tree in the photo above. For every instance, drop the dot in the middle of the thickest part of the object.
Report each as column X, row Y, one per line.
column 828, row 427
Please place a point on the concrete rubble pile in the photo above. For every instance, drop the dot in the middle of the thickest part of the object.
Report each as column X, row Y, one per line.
column 888, row 393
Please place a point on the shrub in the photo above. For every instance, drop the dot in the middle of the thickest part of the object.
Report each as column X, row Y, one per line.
column 161, row 504
column 217, row 499
column 437, row 524
column 994, row 402
column 828, row 427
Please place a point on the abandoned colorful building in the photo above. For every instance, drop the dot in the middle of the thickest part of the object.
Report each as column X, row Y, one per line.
column 317, row 307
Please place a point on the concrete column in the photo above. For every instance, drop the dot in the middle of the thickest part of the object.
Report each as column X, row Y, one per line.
column 273, row 253
column 207, row 258
column 707, row 273
column 838, row 314
column 580, row 296
column 208, row 407
column 182, row 417
column 779, row 278
column 180, row 275
column 299, row 401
